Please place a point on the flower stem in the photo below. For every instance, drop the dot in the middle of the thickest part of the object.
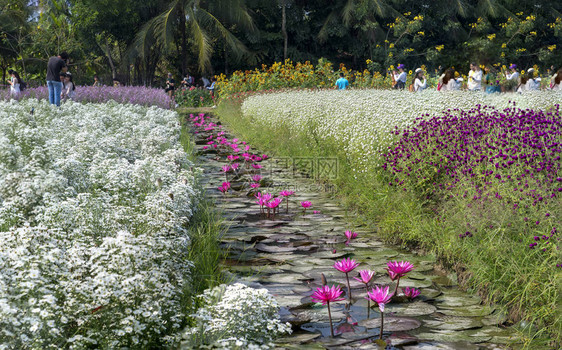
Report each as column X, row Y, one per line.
column 330, row 317
column 396, row 290
column 368, row 301
column 382, row 324
column 287, row 205
column 348, row 286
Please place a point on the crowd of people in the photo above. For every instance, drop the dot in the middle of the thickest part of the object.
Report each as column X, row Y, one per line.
column 189, row 83
column 61, row 86
column 477, row 80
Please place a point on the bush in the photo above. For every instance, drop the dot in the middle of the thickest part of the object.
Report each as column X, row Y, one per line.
column 194, row 98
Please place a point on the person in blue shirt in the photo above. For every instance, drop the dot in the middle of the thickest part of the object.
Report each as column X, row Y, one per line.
column 342, row 83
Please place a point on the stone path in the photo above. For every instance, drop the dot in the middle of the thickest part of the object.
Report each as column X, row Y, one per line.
column 288, row 254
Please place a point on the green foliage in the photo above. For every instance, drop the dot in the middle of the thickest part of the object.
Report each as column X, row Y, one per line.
column 193, row 98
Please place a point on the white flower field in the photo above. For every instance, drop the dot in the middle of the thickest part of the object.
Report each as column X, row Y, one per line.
column 360, row 121
column 94, row 202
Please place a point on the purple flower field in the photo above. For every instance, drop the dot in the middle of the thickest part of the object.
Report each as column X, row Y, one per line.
column 137, row 95
column 484, row 149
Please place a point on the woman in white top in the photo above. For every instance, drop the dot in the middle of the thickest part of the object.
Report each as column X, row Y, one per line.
column 514, row 75
column 533, row 83
column 474, row 78
column 420, row 83
column 400, row 78
column 14, row 81
column 449, row 82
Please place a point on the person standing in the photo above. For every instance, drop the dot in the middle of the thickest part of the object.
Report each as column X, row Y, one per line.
column 474, row 78
column 15, row 83
column 533, row 82
column 420, row 83
column 400, row 77
column 342, row 83
column 96, row 81
column 206, row 82
column 55, row 66
column 170, row 86
column 556, row 80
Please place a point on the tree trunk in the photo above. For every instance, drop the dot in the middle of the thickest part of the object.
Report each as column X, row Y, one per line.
column 284, row 29
column 111, row 64
column 183, row 29
column 225, row 59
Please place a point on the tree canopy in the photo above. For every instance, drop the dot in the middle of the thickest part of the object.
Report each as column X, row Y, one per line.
column 137, row 42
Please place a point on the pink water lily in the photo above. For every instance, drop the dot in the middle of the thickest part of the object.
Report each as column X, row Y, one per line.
column 256, row 178
column 287, row 194
column 381, row 296
column 350, row 235
column 305, row 205
column 254, row 185
column 346, row 265
column 396, row 270
column 326, row 295
column 224, row 187
column 411, row 293
column 365, row 276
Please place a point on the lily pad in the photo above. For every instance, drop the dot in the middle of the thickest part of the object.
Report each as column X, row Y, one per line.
column 417, row 308
column 468, row 311
column 457, row 299
column 455, row 336
column 299, row 338
column 440, row 346
column 392, row 324
column 453, row 323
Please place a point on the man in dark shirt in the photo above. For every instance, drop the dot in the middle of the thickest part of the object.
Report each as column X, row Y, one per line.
column 55, row 66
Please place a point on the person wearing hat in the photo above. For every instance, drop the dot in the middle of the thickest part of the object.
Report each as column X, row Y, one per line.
column 400, row 77
column 474, row 78
column 514, row 75
column 419, row 81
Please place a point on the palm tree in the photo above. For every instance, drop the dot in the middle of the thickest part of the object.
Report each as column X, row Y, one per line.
column 204, row 22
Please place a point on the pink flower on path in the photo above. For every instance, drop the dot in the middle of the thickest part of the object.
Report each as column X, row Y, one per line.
column 398, row 269
column 346, row 265
column 325, row 295
column 226, row 168
column 365, row 276
column 256, row 166
column 380, row 295
column 224, row 187
column 255, row 185
column 286, row 193
column 350, row 235
column 273, row 203
column 411, row 293
column 256, row 178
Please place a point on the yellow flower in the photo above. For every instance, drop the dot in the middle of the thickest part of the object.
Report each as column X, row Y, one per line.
column 504, row 45
column 410, row 72
column 421, row 33
column 533, row 33
column 439, row 48
column 552, row 47
column 491, row 37
column 391, row 46
column 502, row 54
column 368, row 61
column 390, row 54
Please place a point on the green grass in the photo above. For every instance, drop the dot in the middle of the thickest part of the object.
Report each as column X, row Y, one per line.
column 205, row 230
column 524, row 283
